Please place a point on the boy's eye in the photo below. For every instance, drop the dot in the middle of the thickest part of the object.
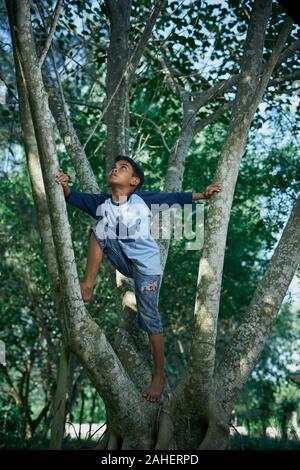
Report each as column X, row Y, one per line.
column 122, row 166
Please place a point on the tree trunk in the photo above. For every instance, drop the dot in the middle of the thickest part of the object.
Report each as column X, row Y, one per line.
column 45, row 230
column 116, row 116
column 59, row 402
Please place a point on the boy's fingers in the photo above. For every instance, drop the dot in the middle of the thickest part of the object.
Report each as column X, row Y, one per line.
column 61, row 176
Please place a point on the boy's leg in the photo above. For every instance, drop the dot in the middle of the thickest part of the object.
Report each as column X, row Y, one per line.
column 117, row 257
column 95, row 255
column 159, row 379
column 147, row 294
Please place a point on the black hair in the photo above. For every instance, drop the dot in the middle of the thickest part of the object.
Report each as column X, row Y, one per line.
column 137, row 170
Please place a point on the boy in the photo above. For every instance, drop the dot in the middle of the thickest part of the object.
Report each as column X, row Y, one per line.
column 122, row 233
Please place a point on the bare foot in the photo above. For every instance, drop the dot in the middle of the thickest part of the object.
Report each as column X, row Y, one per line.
column 155, row 389
column 86, row 291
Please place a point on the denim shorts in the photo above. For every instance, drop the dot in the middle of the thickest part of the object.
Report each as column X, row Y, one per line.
column 147, row 286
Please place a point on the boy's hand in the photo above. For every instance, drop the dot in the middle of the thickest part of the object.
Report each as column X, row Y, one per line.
column 62, row 179
column 212, row 188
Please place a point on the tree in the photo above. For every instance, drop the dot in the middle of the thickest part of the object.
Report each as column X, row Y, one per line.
column 198, row 412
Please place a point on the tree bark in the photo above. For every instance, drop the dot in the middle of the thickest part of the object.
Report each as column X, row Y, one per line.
column 116, row 117
column 44, row 226
column 250, row 337
column 59, row 403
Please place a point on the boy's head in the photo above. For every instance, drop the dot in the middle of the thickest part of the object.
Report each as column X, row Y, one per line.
column 125, row 172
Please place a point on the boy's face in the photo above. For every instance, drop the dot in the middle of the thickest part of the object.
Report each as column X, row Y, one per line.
column 121, row 175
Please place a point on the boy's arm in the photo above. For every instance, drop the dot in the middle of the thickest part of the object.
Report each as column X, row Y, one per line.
column 86, row 202
column 163, row 197
column 181, row 198
column 197, row 196
column 212, row 188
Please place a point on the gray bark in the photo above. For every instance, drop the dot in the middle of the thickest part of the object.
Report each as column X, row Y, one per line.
column 118, row 54
column 68, row 134
column 45, row 230
column 59, row 402
column 211, row 263
column 242, row 353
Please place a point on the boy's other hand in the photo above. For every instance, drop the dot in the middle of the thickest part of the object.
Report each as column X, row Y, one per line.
column 86, row 291
column 212, row 188
column 62, row 179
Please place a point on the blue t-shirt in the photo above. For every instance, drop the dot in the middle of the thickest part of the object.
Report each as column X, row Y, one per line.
column 129, row 222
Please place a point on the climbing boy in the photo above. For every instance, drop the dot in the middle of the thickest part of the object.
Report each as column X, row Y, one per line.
column 122, row 233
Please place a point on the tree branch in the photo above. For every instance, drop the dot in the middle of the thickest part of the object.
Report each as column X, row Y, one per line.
column 65, row 127
column 169, row 72
column 273, row 59
column 13, row 390
column 288, row 52
column 156, row 127
column 202, row 98
column 67, row 132
column 244, row 348
column 51, row 32
column 284, row 78
column 82, row 103
column 9, row 89
column 135, row 59
column 199, row 125
column 202, row 351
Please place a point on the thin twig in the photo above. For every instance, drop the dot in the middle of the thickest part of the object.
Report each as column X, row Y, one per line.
column 131, row 65
column 87, row 105
column 8, row 88
column 199, row 125
column 157, row 128
column 170, row 75
column 118, row 85
column 55, row 67
column 144, row 39
column 51, row 33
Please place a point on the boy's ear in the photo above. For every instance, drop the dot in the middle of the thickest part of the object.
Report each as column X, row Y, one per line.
column 136, row 181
